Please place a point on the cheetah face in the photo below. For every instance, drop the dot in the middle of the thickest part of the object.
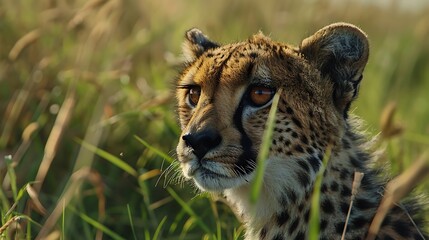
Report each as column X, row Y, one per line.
column 222, row 126
column 225, row 92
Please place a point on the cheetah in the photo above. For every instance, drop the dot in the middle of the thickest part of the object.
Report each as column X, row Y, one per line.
column 224, row 94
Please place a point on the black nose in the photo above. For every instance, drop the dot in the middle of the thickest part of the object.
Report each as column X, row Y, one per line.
column 202, row 142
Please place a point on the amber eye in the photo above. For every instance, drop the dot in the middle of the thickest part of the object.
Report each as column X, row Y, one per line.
column 260, row 95
column 194, row 95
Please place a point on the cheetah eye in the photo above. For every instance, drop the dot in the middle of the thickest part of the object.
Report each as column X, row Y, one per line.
column 260, row 95
column 193, row 95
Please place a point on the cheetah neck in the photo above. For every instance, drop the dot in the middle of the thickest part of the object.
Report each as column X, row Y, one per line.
column 283, row 208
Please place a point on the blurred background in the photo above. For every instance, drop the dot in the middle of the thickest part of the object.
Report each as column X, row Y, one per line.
column 87, row 121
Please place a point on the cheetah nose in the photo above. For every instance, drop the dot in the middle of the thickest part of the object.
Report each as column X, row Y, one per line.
column 202, row 142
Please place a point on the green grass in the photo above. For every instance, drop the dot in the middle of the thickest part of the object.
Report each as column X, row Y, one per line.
column 103, row 72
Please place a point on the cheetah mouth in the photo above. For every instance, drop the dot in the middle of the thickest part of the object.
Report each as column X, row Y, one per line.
column 198, row 168
column 213, row 176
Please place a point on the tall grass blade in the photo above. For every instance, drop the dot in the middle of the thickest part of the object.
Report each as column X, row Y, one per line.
column 155, row 150
column 264, row 149
column 189, row 210
column 314, row 223
column 109, row 157
column 130, row 217
column 63, row 222
column 159, row 228
column 97, row 225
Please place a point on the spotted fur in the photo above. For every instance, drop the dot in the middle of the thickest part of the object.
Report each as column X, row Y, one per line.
column 222, row 133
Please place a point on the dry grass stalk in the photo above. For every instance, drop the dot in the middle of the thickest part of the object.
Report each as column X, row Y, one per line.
column 355, row 186
column 397, row 189
column 54, row 139
column 15, row 107
column 26, row 40
column 84, row 12
column 75, row 182
column 34, row 196
column 389, row 128
column 8, row 223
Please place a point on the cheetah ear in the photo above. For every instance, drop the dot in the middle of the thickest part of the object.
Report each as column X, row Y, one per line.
column 195, row 44
column 340, row 51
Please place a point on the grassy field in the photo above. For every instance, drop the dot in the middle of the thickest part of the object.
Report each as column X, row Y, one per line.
column 88, row 127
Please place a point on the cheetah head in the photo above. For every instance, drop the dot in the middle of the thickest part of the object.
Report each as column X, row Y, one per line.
column 225, row 92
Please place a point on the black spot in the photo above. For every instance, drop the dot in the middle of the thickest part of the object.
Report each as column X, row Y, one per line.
column 402, row 228
column 308, row 194
column 314, row 162
column 304, row 166
column 292, row 196
column 362, row 157
column 327, row 206
column 346, row 192
column 293, row 226
column 281, row 139
column 335, row 169
column 368, row 182
column 346, row 143
column 387, row 220
column 387, row 237
column 297, row 122
column 298, row 148
column 209, row 55
column 289, row 110
column 343, row 175
column 263, row 233
column 294, row 134
column 282, row 218
column 344, row 207
column 363, row 204
column 300, row 235
column 355, row 162
column 253, row 55
column 339, row 227
column 287, row 143
column 334, row 186
column 323, row 188
column 303, row 178
column 307, row 215
column 304, row 139
column 310, row 150
column 278, row 237
column 301, row 207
